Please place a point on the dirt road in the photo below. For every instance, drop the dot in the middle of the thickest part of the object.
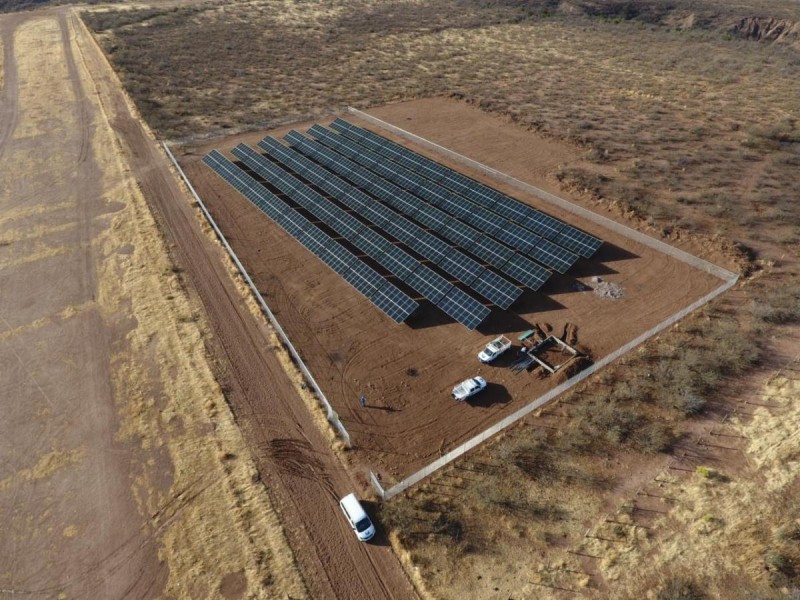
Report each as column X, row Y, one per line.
column 121, row 475
column 64, row 483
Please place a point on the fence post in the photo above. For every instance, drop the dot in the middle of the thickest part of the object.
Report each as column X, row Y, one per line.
column 377, row 485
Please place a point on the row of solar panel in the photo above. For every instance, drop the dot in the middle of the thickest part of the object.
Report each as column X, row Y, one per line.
column 451, row 299
column 517, row 266
column 487, row 283
column 546, row 252
column 385, row 295
column 536, row 221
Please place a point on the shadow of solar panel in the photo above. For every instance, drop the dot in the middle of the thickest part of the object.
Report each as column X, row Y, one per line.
column 395, row 303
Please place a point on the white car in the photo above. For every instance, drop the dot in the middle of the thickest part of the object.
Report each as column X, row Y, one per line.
column 494, row 349
column 468, row 387
column 357, row 518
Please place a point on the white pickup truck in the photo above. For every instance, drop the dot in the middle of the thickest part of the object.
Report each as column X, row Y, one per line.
column 494, row 349
column 468, row 387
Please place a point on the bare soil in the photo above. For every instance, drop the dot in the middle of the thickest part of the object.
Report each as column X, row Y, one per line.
column 406, row 371
column 72, row 524
column 126, row 472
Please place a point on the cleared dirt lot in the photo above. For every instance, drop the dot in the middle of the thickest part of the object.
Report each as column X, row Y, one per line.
column 406, row 371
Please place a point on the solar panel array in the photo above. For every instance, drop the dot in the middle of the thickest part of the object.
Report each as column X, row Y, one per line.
column 385, row 295
column 451, row 299
column 546, row 252
column 557, row 231
column 506, row 260
column 380, row 194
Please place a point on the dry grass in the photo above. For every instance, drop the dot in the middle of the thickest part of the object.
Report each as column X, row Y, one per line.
column 681, row 124
column 216, row 518
column 691, row 117
column 756, row 512
column 515, row 509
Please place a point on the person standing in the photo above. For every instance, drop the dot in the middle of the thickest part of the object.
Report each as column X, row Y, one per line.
column 363, row 401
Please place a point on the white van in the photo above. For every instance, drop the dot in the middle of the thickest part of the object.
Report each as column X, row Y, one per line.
column 357, row 518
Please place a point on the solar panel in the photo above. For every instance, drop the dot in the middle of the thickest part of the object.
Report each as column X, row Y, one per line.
column 554, row 255
column 354, row 271
column 424, row 243
column 395, row 303
column 461, row 234
column 579, row 241
column 524, row 270
column 490, row 282
column 464, row 235
column 401, row 264
column 494, row 224
column 468, row 313
column 477, row 192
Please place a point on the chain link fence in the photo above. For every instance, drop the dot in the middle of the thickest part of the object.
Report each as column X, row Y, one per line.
column 333, row 418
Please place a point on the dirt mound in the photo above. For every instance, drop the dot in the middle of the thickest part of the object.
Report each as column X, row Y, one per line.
column 765, row 29
column 570, row 335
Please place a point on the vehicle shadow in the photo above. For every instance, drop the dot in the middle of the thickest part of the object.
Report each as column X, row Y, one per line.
column 371, row 507
column 493, row 394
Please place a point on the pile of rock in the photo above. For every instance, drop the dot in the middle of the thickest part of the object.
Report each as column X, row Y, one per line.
column 606, row 289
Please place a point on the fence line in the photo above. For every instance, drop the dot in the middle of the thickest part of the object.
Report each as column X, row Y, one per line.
column 331, row 414
column 605, row 222
column 547, row 397
column 727, row 276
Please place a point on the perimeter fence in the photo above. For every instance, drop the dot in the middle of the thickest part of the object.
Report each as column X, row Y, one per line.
column 727, row 276
column 333, row 418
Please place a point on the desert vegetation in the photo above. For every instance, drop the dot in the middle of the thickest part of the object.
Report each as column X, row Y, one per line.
column 694, row 130
column 535, row 490
column 686, row 113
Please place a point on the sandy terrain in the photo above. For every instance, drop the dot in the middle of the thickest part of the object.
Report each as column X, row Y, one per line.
column 125, row 473
column 406, row 371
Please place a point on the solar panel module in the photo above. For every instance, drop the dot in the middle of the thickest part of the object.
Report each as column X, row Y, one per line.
column 385, row 295
column 549, row 227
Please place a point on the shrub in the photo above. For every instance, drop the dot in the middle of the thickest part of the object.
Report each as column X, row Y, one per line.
column 679, row 588
column 654, row 438
column 782, row 306
column 689, row 403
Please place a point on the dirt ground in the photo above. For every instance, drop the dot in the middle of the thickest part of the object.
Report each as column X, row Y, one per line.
column 66, row 474
column 406, row 371
column 125, row 473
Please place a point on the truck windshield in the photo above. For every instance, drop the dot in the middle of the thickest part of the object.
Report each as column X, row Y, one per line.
column 363, row 525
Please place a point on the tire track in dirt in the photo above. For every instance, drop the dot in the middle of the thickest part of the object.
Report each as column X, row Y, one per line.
column 261, row 395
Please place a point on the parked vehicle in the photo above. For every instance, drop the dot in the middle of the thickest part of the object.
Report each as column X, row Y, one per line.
column 357, row 517
column 468, row 388
column 494, row 349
